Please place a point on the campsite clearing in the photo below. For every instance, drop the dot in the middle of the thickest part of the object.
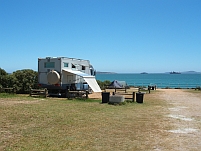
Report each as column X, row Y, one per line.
column 167, row 120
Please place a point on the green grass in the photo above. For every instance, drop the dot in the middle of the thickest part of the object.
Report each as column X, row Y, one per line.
column 59, row 124
column 7, row 95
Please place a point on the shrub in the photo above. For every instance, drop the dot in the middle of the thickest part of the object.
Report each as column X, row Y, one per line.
column 24, row 79
column 103, row 84
column 198, row 88
column 21, row 80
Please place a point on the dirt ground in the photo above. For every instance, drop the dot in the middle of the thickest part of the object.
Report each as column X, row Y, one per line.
column 183, row 116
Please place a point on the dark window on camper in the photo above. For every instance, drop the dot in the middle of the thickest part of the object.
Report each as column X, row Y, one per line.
column 65, row 64
column 73, row 66
column 83, row 67
column 92, row 71
column 49, row 64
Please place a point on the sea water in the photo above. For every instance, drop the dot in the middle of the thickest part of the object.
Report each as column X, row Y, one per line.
column 160, row 80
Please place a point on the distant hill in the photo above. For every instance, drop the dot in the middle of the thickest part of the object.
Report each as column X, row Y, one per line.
column 191, row 72
column 100, row 72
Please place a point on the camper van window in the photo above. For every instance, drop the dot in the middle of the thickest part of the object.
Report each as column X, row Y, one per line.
column 92, row 71
column 49, row 64
column 73, row 66
column 83, row 67
column 65, row 64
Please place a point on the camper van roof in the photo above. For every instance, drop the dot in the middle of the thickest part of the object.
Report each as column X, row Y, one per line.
column 64, row 58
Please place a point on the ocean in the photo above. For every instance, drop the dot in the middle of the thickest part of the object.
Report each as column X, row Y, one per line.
column 160, row 80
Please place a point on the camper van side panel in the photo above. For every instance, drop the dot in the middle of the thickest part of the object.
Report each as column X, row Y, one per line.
column 45, row 66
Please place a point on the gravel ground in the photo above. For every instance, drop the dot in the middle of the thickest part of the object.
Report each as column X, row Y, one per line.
column 183, row 119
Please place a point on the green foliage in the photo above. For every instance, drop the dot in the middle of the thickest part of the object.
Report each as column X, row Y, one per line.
column 22, row 80
column 7, row 81
column 3, row 78
column 103, row 84
column 2, row 72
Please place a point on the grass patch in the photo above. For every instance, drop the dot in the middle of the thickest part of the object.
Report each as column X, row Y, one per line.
column 7, row 95
column 60, row 124
column 192, row 91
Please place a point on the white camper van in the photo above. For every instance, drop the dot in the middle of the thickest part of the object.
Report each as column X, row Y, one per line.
column 58, row 74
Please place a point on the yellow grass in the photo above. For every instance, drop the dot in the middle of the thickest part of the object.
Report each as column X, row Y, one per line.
column 61, row 124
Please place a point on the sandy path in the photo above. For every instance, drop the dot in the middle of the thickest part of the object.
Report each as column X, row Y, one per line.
column 184, row 119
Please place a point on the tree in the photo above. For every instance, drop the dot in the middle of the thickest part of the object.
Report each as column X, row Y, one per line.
column 7, row 81
column 3, row 73
column 24, row 79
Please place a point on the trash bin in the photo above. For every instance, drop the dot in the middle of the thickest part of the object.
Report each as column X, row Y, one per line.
column 139, row 97
column 105, row 97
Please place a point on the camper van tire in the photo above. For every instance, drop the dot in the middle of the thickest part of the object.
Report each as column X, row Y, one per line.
column 53, row 77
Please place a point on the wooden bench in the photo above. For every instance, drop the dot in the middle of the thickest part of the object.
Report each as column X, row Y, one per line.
column 38, row 92
column 74, row 94
column 121, row 89
column 132, row 95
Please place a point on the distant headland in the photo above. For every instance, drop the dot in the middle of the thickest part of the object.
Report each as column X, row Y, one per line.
column 101, row 72
column 184, row 72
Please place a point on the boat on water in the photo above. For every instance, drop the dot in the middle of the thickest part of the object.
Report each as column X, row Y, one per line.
column 173, row 72
column 144, row 73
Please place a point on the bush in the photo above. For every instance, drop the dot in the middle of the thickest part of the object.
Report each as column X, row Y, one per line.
column 5, row 79
column 198, row 88
column 21, row 80
column 24, row 79
column 103, row 84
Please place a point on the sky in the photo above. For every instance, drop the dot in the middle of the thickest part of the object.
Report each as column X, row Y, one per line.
column 123, row 36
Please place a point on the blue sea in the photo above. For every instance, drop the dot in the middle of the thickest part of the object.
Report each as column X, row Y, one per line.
column 160, row 80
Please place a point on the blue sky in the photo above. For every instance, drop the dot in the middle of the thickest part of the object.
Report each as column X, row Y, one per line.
column 124, row 36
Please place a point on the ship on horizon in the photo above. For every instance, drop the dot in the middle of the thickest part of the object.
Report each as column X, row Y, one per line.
column 144, row 73
column 173, row 72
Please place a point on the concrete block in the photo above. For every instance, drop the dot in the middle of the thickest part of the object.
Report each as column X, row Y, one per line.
column 116, row 99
